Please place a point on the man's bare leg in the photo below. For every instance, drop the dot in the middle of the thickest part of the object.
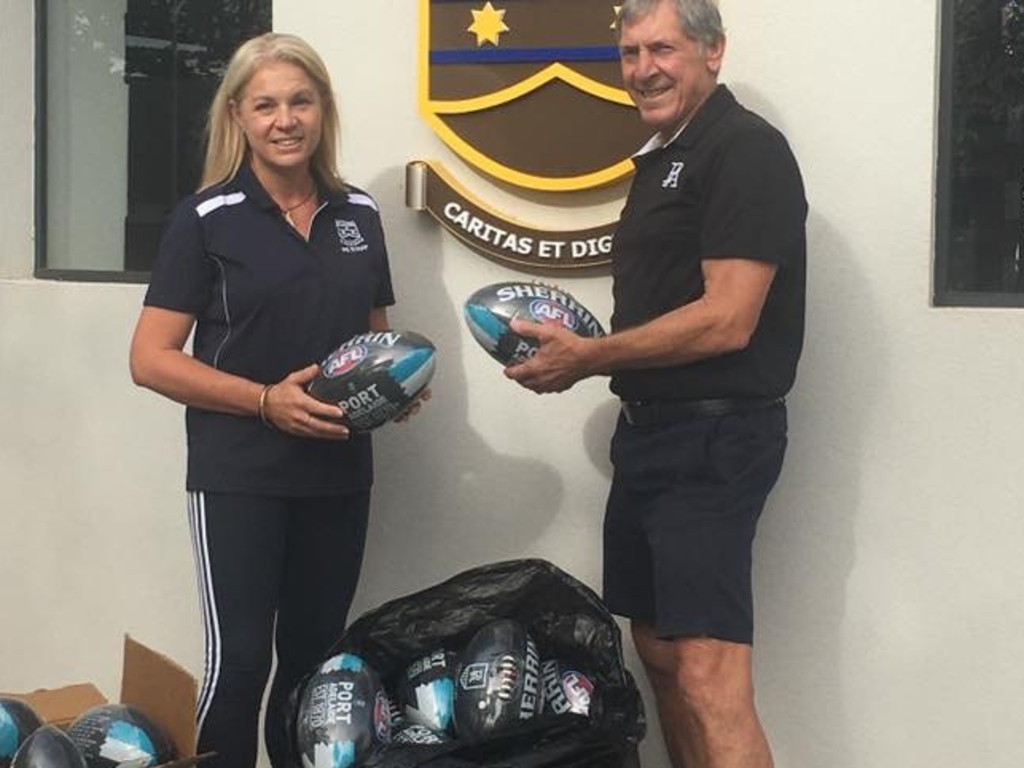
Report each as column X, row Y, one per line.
column 704, row 693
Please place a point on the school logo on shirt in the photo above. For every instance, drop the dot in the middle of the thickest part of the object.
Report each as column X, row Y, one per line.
column 530, row 93
column 350, row 237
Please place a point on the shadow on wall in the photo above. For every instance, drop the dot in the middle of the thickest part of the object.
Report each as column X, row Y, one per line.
column 444, row 500
column 805, row 548
column 806, row 544
column 597, row 437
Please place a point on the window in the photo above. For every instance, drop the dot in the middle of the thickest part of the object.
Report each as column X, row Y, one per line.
column 980, row 229
column 123, row 90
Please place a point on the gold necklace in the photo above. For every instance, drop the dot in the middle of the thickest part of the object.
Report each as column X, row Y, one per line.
column 287, row 212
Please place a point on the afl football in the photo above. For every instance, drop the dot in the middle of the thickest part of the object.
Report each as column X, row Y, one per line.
column 490, row 310
column 343, row 714
column 375, row 377
column 497, row 683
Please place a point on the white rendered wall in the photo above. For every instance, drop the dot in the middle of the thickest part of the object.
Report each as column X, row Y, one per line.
column 888, row 564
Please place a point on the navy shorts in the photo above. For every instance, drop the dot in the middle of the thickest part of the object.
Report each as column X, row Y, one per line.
column 682, row 512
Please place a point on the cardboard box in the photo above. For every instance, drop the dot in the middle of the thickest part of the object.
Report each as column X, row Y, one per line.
column 159, row 687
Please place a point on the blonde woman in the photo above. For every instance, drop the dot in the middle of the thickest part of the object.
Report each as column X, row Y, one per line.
column 272, row 264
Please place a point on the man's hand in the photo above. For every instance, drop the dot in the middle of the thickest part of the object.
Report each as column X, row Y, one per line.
column 560, row 362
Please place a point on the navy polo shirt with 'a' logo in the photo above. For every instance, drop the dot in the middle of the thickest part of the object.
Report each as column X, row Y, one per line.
column 268, row 303
column 727, row 186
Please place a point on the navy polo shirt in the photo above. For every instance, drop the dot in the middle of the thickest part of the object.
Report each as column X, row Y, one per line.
column 267, row 303
column 727, row 186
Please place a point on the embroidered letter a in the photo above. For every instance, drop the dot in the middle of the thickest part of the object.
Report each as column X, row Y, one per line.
column 672, row 179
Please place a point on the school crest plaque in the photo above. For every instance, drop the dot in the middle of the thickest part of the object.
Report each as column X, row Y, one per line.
column 529, row 92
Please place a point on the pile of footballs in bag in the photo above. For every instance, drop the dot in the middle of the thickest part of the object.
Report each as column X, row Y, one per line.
column 499, row 660
column 496, row 681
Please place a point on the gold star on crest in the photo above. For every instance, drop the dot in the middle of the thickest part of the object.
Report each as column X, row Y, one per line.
column 487, row 24
column 617, row 9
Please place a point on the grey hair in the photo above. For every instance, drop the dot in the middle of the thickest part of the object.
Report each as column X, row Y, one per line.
column 698, row 19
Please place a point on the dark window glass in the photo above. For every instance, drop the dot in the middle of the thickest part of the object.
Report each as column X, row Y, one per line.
column 981, row 155
column 124, row 91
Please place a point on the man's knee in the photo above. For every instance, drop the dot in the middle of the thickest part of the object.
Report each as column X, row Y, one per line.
column 709, row 675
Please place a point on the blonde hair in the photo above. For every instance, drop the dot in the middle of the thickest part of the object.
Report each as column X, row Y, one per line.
column 226, row 147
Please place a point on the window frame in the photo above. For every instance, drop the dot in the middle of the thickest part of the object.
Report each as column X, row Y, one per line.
column 41, row 163
column 942, row 294
column 39, row 269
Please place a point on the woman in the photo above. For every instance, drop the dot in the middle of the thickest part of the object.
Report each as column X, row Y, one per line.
column 273, row 263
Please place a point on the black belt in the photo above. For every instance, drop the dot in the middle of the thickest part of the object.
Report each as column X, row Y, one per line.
column 643, row 413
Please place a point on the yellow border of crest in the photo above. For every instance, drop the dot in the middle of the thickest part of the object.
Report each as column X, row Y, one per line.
column 430, row 109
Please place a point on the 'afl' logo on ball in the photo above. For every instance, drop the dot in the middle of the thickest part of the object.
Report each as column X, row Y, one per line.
column 550, row 312
column 382, row 716
column 344, row 360
column 578, row 689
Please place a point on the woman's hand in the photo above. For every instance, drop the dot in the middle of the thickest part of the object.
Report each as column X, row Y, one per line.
column 288, row 407
column 413, row 409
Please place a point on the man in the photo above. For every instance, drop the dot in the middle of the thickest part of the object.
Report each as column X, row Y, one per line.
column 708, row 267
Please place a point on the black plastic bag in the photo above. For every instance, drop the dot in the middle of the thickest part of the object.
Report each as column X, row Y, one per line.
column 567, row 621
